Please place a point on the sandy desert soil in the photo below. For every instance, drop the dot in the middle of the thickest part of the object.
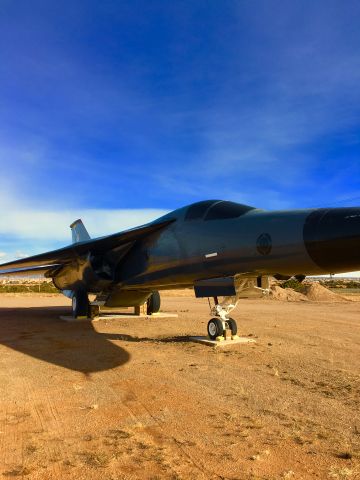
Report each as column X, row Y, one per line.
column 133, row 399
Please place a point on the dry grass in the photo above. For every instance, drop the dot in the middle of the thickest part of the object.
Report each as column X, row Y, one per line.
column 95, row 459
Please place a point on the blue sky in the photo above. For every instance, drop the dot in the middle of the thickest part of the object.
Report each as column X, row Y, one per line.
column 111, row 106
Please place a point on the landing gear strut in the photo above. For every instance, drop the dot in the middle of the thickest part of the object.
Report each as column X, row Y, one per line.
column 222, row 322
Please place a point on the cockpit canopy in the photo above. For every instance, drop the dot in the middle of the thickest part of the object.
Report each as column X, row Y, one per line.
column 216, row 210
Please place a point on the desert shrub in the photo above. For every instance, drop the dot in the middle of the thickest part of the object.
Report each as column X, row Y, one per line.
column 43, row 287
column 294, row 284
column 340, row 283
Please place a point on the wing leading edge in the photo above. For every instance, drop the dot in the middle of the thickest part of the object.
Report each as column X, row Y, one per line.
column 45, row 262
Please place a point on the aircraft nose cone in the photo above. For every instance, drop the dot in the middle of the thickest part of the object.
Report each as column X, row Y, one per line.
column 332, row 238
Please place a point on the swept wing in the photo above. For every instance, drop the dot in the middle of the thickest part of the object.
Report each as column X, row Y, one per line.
column 46, row 262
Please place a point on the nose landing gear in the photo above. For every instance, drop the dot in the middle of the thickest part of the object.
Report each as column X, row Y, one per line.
column 221, row 322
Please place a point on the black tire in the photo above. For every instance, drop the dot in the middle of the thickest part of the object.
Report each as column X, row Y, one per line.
column 153, row 303
column 232, row 325
column 215, row 328
column 80, row 304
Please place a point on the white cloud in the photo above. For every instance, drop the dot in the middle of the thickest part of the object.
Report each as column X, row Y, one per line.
column 349, row 274
column 2, row 254
column 20, row 254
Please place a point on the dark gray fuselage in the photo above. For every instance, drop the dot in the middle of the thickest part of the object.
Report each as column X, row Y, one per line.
column 198, row 246
column 190, row 250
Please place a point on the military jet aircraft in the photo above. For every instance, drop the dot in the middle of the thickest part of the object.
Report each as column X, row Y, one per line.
column 219, row 248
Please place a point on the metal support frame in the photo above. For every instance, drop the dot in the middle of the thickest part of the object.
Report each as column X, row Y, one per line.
column 94, row 310
column 223, row 309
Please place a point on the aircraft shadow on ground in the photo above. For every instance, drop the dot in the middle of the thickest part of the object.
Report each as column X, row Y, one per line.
column 39, row 333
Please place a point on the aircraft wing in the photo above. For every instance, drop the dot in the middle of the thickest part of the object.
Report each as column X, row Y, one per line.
column 21, row 272
column 45, row 262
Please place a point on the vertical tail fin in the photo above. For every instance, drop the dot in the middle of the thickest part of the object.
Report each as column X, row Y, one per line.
column 79, row 232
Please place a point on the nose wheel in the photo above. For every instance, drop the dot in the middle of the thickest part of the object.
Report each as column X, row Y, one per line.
column 232, row 325
column 216, row 327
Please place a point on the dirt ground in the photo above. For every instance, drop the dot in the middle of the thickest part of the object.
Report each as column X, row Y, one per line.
column 134, row 399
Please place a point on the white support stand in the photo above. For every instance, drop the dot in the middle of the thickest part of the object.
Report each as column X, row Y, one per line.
column 222, row 343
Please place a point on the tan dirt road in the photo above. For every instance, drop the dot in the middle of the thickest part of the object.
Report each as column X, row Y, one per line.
column 133, row 399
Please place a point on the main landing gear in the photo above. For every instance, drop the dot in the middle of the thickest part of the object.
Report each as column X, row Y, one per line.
column 153, row 303
column 80, row 304
column 221, row 321
column 81, row 307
